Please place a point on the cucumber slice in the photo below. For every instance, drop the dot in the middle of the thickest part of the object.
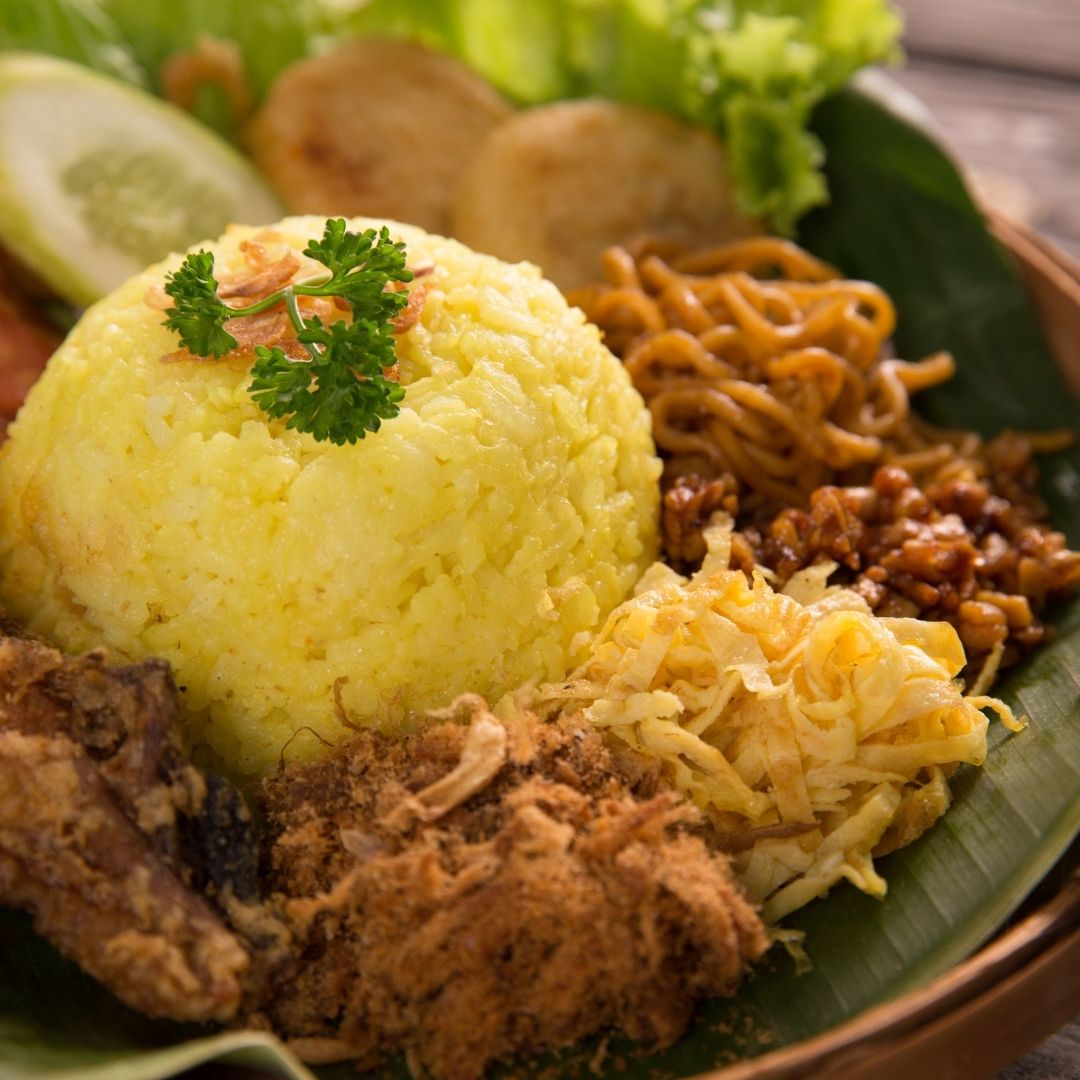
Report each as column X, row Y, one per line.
column 98, row 179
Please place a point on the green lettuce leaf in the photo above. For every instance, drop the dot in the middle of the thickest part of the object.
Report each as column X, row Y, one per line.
column 76, row 30
column 132, row 39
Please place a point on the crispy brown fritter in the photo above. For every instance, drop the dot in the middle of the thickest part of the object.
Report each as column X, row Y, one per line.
column 557, row 184
column 99, row 814
column 543, row 892
column 389, row 145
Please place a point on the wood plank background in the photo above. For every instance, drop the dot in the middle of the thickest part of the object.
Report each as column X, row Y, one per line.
column 1002, row 77
column 1032, row 35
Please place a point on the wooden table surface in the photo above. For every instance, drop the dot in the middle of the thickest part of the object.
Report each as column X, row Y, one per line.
column 1002, row 78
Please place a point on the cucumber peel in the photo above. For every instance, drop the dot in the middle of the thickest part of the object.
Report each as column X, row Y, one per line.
column 98, row 179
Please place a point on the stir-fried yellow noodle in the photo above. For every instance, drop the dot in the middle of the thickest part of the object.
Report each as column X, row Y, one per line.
column 759, row 361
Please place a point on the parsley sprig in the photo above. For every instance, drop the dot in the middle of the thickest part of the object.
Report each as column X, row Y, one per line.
column 341, row 392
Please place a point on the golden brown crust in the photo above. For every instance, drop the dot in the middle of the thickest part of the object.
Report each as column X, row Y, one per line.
column 558, row 184
column 376, row 127
column 104, row 826
column 100, row 894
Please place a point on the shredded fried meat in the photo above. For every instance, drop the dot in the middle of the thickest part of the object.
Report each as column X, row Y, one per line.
column 533, row 890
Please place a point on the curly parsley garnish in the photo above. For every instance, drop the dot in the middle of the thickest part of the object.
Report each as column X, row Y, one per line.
column 342, row 391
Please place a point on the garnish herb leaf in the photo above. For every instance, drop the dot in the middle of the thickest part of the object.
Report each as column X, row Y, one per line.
column 199, row 315
column 326, row 399
column 341, row 391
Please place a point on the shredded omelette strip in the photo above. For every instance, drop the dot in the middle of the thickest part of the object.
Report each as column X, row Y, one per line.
column 813, row 733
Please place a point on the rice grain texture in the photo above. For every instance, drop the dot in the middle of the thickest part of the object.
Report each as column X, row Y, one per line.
column 153, row 508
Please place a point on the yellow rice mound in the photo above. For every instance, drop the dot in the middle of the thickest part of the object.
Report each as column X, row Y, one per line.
column 297, row 587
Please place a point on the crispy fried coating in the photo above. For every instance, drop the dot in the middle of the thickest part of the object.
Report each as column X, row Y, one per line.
column 100, row 894
column 476, row 891
column 556, row 894
column 105, row 828
column 558, row 184
column 376, row 127
column 123, row 716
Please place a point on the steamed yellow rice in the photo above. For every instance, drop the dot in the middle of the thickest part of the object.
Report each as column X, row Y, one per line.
column 152, row 507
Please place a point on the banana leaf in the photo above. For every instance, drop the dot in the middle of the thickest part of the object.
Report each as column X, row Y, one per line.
column 900, row 216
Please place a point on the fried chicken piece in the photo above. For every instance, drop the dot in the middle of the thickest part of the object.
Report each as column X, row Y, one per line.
column 125, row 720
column 466, row 897
column 108, row 833
column 98, row 892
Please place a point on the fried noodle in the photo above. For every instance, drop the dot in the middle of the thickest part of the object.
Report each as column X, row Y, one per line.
column 757, row 360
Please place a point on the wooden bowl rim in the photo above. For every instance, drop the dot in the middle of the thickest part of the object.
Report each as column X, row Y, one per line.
column 1011, row 963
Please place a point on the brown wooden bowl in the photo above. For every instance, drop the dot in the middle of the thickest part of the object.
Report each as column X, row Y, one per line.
column 1053, row 283
column 1024, row 985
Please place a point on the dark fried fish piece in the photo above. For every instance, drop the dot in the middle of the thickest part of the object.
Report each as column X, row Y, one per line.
column 100, row 894
column 109, row 835
column 475, row 892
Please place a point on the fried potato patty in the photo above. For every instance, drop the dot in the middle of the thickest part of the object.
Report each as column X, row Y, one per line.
column 377, row 127
column 558, row 184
